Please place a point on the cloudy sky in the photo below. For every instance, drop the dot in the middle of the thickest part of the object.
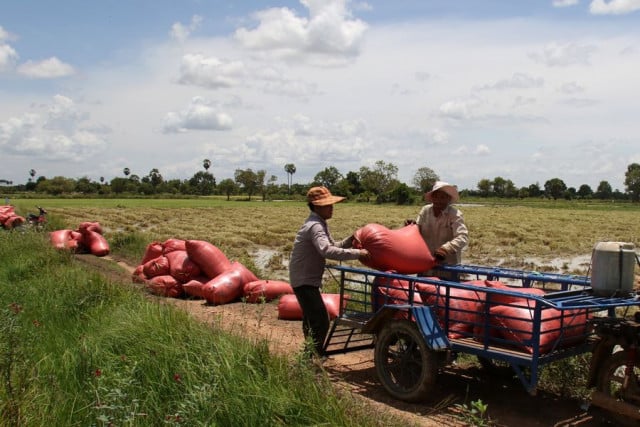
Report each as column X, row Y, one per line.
column 473, row 89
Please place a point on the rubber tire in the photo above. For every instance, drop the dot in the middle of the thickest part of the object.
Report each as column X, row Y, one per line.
column 405, row 365
column 610, row 381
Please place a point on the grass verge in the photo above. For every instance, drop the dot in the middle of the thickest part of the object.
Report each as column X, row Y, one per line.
column 76, row 349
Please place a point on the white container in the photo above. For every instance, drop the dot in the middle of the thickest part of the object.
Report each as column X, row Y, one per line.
column 612, row 266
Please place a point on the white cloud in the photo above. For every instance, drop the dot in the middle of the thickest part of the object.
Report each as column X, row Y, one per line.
column 571, row 88
column 460, row 109
column 46, row 69
column 517, row 81
column 330, row 35
column 482, row 150
column 210, row 72
column 564, row 3
column 562, row 55
column 58, row 134
column 199, row 115
column 613, row 7
column 182, row 32
column 8, row 56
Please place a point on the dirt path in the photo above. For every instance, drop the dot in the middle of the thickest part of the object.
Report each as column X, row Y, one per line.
column 508, row 403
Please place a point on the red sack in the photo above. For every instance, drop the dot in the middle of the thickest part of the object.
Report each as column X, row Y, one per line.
column 13, row 221
column 165, row 286
column 193, row 287
column 171, row 245
column 402, row 250
column 138, row 275
column 60, row 238
column 90, row 226
column 289, row 308
column 496, row 299
column 390, row 291
column 464, row 307
column 211, row 260
column 265, row 290
column 181, row 267
column 156, row 267
column 557, row 328
column 95, row 242
column 227, row 286
column 154, row 250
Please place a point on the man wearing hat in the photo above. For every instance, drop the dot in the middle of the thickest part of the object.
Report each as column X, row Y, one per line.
column 442, row 226
column 312, row 246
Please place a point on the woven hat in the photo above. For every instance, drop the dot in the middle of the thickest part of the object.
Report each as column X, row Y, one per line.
column 321, row 196
column 451, row 190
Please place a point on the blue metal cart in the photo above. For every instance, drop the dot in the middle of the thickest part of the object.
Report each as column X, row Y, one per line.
column 524, row 319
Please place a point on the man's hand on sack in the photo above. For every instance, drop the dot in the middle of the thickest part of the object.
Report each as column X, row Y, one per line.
column 440, row 254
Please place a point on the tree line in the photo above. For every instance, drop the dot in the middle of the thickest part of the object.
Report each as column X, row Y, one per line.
column 378, row 183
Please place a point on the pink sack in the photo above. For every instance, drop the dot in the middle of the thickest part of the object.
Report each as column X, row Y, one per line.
column 60, row 238
column 156, row 267
column 181, row 267
column 138, row 275
column 193, row 287
column 265, row 290
column 90, row 226
column 211, row 260
column 154, row 250
column 464, row 307
column 171, row 245
column 289, row 308
column 402, row 250
column 165, row 286
column 95, row 243
column 227, row 286
column 557, row 328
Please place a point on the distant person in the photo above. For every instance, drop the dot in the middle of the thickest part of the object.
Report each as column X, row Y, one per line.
column 442, row 227
column 313, row 244
column 6, row 200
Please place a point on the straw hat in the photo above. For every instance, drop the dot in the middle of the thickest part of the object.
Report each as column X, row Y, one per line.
column 451, row 190
column 321, row 196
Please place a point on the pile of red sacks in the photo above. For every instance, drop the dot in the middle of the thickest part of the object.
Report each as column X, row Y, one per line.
column 195, row 268
column 198, row 269
column 467, row 311
column 87, row 238
column 9, row 219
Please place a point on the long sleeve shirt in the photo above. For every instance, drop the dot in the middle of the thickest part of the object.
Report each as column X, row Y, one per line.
column 312, row 246
column 447, row 230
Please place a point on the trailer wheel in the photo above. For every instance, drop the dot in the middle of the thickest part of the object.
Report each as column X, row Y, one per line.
column 612, row 382
column 405, row 365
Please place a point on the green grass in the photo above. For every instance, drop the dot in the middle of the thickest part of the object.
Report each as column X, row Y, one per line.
column 76, row 349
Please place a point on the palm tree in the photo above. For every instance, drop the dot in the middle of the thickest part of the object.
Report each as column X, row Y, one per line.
column 126, row 171
column 290, row 169
column 206, row 163
column 102, row 180
column 32, row 172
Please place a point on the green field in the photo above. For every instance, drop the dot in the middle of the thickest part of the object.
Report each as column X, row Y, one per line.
column 541, row 235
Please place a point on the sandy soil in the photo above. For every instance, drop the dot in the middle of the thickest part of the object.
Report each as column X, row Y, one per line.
column 508, row 403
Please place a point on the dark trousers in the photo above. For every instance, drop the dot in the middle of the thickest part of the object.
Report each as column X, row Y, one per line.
column 315, row 318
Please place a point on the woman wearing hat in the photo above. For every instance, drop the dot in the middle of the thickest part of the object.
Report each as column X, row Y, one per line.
column 442, row 226
column 312, row 246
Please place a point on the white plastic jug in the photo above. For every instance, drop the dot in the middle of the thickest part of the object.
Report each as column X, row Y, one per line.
column 612, row 265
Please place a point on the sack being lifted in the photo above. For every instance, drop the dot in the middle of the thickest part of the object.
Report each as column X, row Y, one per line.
column 402, row 250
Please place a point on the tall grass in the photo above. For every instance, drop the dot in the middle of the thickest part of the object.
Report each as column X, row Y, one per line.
column 76, row 349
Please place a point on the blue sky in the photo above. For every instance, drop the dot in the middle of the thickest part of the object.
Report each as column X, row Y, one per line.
column 473, row 89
